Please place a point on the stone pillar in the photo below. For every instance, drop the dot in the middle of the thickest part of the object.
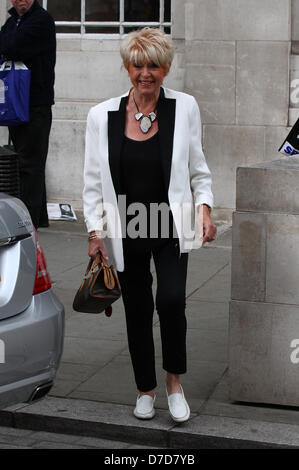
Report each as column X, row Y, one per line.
column 264, row 307
column 295, row 20
column 237, row 67
column 4, row 6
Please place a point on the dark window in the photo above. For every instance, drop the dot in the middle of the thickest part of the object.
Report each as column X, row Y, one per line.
column 167, row 10
column 145, row 10
column 65, row 10
column 87, row 15
column 101, row 10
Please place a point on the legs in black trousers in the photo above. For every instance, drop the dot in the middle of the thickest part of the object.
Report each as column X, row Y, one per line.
column 31, row 141
column 136, row 285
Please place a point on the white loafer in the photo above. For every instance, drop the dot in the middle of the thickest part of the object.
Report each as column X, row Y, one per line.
column 145, row 407
column 178, row 406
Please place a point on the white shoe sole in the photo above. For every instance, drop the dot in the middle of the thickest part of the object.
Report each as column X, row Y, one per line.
column 187, row 415
column 144, row 416
column 149, row 415
column 180, row 420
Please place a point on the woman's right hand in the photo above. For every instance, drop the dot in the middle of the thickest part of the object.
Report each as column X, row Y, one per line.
column 95, row 246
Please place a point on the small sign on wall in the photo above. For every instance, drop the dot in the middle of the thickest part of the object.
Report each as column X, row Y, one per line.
column 291, row 144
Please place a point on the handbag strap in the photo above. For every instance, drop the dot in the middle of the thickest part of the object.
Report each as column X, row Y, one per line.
column 111, row 277
column 108, row 271
column 88, row 268
column 99, row 262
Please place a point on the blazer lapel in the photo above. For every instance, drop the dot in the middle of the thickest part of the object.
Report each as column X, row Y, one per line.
column 116, row 129
column 166, row 118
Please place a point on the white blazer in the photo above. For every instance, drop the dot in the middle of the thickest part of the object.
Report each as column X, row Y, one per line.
column 186, row 174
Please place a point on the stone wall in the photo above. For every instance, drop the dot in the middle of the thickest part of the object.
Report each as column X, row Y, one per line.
column 89, row 71
column 264, row 310
column 233, row 55
column 295, row 20
column 237, row 66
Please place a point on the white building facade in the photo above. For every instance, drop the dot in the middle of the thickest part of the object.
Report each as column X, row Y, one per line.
column 238, row 58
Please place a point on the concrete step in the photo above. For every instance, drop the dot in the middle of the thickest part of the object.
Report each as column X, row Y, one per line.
column 116, row 422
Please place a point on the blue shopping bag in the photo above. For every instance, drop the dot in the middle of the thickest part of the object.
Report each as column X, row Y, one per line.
column 14, row 93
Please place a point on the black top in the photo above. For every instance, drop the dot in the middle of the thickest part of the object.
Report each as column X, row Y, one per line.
column 142, row 181
column 31, row 39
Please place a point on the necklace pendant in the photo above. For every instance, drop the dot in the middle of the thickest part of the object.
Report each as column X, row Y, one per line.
column 152, row 116
column 145, row 124
column 138, row 116
column 145, row 121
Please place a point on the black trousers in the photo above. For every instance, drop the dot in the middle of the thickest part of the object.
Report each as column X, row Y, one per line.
column 136, row 284
column 31, row 142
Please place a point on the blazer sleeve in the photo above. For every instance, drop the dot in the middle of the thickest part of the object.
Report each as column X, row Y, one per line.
column 200, row 175
column 92, row 192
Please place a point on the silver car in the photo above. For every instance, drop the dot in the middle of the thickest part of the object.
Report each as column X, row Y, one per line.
column 31, row 316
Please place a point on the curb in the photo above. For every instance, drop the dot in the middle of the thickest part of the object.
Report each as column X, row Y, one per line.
column 116, row 422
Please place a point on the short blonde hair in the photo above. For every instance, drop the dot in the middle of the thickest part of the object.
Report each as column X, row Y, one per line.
column 147, row 45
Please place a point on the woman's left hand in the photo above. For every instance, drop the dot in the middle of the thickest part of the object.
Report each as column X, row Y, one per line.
column 209, row 228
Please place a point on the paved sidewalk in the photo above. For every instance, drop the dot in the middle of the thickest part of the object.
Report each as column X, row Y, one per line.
column 96, row 363
column 94, row 392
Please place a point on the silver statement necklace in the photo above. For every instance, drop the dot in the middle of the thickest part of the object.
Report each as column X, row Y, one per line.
column 145, row 121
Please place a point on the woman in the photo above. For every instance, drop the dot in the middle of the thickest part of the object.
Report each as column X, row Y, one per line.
column 146, row 146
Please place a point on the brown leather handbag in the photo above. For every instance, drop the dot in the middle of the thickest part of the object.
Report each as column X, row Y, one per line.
column 99, row 288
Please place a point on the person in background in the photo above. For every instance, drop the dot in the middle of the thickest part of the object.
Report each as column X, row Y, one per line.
column 146, row 145
column 29, row 36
